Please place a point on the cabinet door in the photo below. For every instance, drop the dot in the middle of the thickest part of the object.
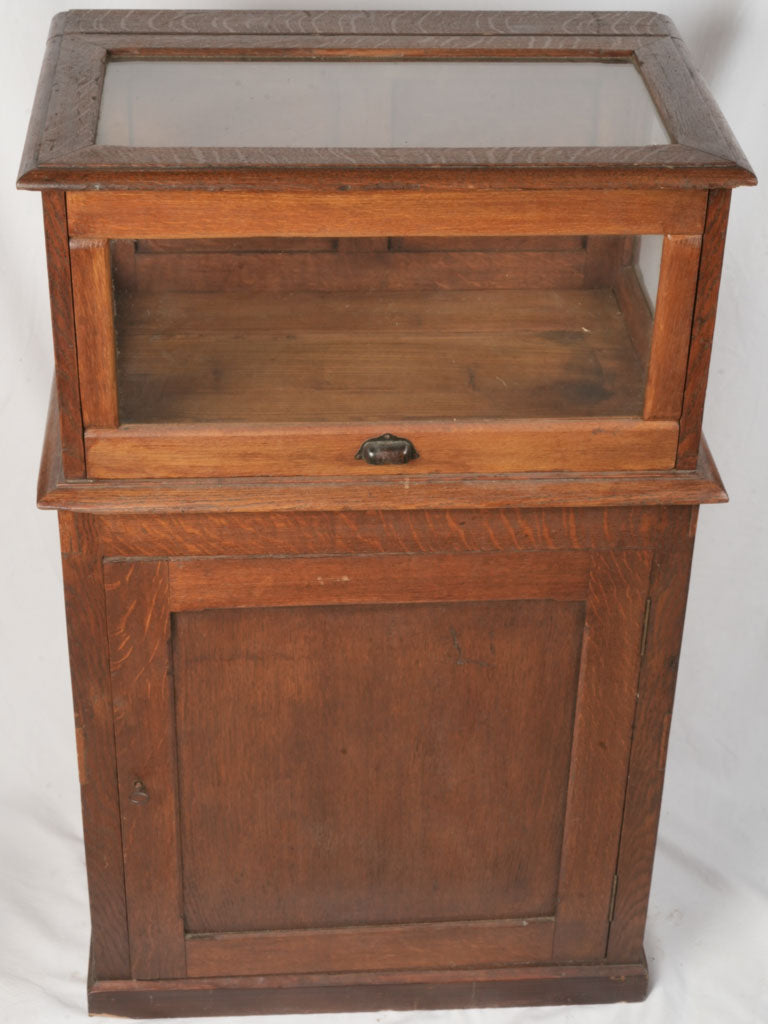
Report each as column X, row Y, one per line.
column 332, row 764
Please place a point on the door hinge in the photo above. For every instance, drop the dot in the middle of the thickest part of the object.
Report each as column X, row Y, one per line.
column 612, row 905
column 646, row 620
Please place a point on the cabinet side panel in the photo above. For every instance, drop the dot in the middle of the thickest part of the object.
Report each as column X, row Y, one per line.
column 669, row 589
column 139, row 648
column 91, row 688
column 63, row 323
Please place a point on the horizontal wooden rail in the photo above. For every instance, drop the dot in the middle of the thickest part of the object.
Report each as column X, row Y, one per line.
column 203, row 583
column 478, row 446
column 446, row 944
column 378, row 212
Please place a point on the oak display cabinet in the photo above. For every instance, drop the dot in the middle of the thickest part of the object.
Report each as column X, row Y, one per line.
column 381, row 350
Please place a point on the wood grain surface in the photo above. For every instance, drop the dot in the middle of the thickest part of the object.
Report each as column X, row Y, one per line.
column 378, row 532
column 198, row 584
column 521, row 986
column 139, row 631
column 374, row 353
column 385, row 947
column 469, row 446
column 94, row 324
column 703, row 330
column 447, row 491
column 92, row 695
column 602, row 735
column 64, row 340
column 60, row 147
column 331, row 775
column 671, row 337
column 656, row 687
column 377, row 22
column 323, row 213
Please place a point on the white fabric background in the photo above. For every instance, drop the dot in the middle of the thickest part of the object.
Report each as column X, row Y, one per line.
column 707, row 938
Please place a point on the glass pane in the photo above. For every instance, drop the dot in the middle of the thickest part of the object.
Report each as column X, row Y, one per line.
column 271, row 330
column 377, row 104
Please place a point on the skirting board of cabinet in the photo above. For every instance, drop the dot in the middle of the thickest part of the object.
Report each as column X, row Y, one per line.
column 391, row 990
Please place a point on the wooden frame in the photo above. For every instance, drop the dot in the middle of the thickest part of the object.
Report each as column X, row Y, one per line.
column 700, row 485
column 61, row 148
column 617, row 542
column 472, row 446
column 599, row 444
column 323, row 213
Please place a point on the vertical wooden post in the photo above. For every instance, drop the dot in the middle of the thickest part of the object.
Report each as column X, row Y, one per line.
column 95, row 325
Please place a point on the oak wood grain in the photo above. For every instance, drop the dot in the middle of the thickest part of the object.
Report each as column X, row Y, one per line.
column 138, row 619
column 38, row 115
column 598, row 444
column 198, row 584
column 686, row 106
column 60, row 150
column 92, row 695
column 601, row 742
column 400, row 212
column 458, row 944
column 371, row 833
column 671, row 166
column 351, row 22
column 656, row 688
column 671, row 337
column 363, row 270
column 64, row 340
column 376, row 354
column 520, row 986
column 94, row 323
column 702, row 333
column 446, row 491
column 378, row 532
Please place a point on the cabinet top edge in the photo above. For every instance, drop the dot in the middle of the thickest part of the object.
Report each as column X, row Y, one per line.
column 62, row 150
column 346, row 22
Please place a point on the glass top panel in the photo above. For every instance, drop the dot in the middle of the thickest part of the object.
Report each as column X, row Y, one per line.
column 376, row 104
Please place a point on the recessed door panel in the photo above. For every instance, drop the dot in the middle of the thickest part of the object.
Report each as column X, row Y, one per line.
column 373, row 765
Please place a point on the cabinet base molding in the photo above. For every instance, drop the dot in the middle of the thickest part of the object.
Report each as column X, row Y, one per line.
column 372, row 991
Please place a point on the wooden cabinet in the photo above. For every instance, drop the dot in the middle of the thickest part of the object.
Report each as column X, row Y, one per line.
column 376, row 446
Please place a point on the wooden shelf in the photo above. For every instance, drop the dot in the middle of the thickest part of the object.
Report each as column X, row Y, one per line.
column 349, row 356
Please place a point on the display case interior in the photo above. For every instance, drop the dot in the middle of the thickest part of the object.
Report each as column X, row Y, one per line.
column 348, row 329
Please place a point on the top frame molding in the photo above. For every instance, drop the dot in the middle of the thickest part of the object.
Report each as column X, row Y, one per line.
column 61, row 150
column 397, row 23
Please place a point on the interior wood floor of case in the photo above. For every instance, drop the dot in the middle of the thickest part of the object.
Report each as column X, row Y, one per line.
column 339, row 356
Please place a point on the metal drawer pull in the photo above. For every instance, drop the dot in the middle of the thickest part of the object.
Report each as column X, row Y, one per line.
column 387, row 450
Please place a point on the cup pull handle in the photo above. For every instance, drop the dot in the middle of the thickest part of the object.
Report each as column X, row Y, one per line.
column 387, row 450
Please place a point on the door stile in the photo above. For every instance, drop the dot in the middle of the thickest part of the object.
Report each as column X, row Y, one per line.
column 139, row 623
column 605, row 709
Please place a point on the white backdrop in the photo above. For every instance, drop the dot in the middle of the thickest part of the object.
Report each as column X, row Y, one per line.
column 707, row 938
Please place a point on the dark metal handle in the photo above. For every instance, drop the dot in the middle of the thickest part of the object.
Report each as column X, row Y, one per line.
column 387, row 450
